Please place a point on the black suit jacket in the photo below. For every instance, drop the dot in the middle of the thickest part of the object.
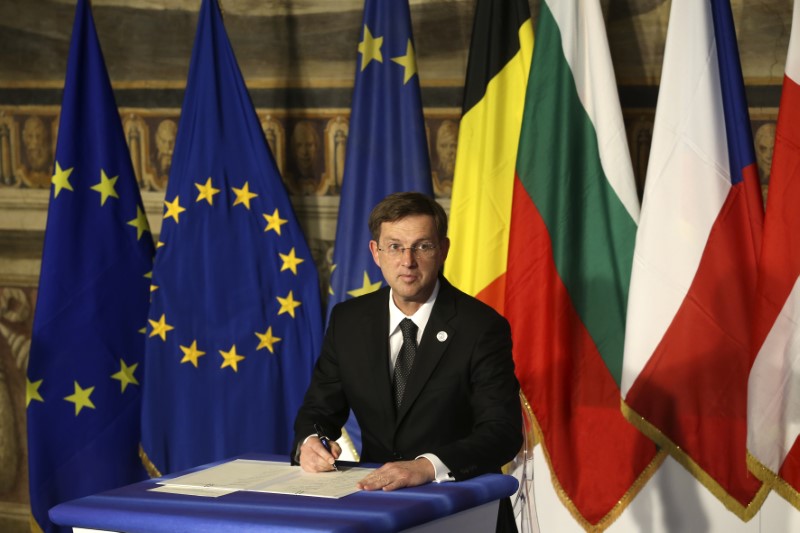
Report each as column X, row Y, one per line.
column 461, row 401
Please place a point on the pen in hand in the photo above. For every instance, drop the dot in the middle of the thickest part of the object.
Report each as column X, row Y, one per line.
column 326, row 443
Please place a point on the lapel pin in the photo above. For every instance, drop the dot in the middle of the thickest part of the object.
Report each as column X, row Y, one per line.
column 441, row 336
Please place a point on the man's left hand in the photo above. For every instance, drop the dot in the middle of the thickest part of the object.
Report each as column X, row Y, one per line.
column 397, row 475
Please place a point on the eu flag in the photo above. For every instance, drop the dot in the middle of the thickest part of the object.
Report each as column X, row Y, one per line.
column 235, row 321
column 84, row 375
column 386, row 148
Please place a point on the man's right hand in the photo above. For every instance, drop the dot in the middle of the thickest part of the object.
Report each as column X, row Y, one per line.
column 315, row 458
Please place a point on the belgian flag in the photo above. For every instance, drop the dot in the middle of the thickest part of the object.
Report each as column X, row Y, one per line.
column 480, row 210
column 494, row 95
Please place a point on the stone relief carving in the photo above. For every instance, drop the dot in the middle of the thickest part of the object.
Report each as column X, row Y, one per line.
column 15, row 311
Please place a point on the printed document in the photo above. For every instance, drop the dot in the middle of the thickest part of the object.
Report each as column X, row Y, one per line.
column 265, row 476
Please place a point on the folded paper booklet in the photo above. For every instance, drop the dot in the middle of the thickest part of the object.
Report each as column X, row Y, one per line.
column 265, row 476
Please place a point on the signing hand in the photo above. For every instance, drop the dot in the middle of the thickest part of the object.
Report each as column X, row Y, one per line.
column 397, row 475
column 315, row 458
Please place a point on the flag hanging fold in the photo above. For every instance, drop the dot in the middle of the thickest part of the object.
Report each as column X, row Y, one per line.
column 480, row 208
column 488, row 137
column 692, row 297
column 235, row 323
column 573, row 225
column 773, row 407
column 386, row 147
column 83, row 388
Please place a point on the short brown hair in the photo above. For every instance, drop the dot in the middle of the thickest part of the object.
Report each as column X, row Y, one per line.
column 400, row 205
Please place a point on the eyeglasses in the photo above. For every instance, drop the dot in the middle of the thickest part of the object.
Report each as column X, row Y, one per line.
column 423, row 249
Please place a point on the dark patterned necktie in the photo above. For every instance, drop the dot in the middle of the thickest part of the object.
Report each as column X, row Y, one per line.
column 402, row 366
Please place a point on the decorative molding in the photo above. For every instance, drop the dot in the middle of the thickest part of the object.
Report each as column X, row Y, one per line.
column 19, row 272
column 15, row 517
column 23, row 209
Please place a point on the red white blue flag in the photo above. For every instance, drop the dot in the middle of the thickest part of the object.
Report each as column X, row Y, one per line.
column 691, row 304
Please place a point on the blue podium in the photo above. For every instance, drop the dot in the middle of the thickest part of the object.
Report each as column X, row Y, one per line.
column 459, row 506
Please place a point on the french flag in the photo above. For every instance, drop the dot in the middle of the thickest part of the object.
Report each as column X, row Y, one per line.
column 688, row 345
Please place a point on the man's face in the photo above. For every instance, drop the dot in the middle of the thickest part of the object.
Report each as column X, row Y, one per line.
column 411, row 276
column 765, row 143
column 446, row 144
column 165, row 144
column 305, row 150
column 34, row 137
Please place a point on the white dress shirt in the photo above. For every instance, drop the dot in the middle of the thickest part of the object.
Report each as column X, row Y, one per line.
column 420, row 319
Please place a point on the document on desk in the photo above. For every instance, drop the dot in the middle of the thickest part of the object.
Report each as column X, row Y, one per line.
column 192, row 491
column 335, row 484
column 266, row 476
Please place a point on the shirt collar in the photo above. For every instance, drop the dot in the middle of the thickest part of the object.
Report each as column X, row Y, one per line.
column 420, row 318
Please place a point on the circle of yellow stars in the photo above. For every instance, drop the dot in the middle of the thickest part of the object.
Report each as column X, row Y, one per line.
column 81, row 396
column 242, row 196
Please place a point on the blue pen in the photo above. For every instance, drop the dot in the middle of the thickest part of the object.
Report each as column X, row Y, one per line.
column 325, row 442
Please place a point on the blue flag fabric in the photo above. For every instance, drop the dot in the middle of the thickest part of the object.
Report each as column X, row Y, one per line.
column 235, row 323
column 741, row 150
column 84, row 374
column 386, row 148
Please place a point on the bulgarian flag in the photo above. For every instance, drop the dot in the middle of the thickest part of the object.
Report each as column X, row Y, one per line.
column 773, row 407
column 480, row 209
column 573, row 226
column 688, row 349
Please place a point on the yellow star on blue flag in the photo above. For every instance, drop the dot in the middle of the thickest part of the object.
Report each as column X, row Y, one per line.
column 221, row 278
column 83, row 408
column 386, row 152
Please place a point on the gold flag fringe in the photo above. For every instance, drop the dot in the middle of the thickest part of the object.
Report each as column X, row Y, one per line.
column 530, row 441
column 745, row 513
column 349, row 443
column 774, row 481
column 618, row 508
column 34, row 525
column 152, row 471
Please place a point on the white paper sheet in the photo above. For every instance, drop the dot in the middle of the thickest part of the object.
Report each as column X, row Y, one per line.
column 192, row 491
column 267, row 476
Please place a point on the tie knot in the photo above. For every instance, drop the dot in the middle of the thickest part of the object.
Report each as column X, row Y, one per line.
column 409, row 329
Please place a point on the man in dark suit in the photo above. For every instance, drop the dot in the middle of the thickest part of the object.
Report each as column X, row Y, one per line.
column 452, row 412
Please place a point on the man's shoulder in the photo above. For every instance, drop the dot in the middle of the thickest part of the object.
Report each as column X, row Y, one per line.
column 466, row 303
column 367, row 302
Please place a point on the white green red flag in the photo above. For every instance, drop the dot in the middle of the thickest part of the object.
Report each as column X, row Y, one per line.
column 573, row 227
